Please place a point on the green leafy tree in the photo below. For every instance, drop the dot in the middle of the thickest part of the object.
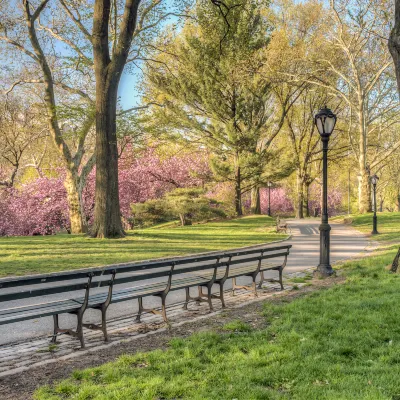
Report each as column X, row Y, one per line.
column 208, row 79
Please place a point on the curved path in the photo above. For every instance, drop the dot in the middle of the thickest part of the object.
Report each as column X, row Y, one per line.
column 345, row 243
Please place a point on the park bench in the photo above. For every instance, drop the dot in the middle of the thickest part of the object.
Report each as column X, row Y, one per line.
column 281, row 225
column 82, row 289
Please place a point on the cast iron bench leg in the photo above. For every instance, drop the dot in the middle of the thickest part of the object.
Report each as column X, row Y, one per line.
column 185, row 306
column 262, row 279
column 140, row 311
column 281, row 277
column 221, row 294
column 104, row 322
column 56, row 328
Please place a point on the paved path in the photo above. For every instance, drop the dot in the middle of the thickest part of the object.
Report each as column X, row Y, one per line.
column 345, row 243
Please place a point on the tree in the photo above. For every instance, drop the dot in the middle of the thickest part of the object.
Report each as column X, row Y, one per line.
column 209, row 80
column 352, row 62
column 70, row 57
column 20, row 128
column 394, row 42
column 41, row 60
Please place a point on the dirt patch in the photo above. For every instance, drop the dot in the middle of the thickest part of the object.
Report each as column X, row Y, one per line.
column 22, row 386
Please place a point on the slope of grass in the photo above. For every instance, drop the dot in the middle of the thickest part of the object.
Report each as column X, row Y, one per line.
column 41, row 254
column 388, row 225
column 337, row 343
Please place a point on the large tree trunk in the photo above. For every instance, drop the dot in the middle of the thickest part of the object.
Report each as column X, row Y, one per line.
column 394, row 42
column 107, row 220
column 238, row 188
column 255, row 201
column 300, row 197
column 306, row 208
column 364, row 181
column 107, row 223
column 364, row 192
column 74, row 202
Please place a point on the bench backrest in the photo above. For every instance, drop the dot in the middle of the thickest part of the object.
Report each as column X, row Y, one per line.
column 37, row 285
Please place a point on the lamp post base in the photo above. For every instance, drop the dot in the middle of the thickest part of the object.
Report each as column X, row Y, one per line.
column 375, row 224
column 324, row 271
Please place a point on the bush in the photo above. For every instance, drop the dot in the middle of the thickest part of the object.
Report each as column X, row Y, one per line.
column 151, row 212
column 192, row 205
column 189, row 205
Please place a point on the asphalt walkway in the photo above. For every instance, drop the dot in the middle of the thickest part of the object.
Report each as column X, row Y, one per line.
column 345, row 243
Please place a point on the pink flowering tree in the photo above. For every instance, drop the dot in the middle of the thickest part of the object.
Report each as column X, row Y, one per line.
column 280, row 201
column 40, row 207
column 37, row 208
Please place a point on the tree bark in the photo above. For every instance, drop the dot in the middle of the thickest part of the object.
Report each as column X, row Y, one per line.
column 255, row 201
column 398, row 202
column 107, row 215
column 364, row 192
column 238, row 188
column 71, row 184
column 300, row 197
column 306, row 208
column 394, row 42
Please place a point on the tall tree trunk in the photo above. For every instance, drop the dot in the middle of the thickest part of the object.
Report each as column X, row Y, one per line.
column 364, row 181
column 238, row 188
column 300, row 197
column 255, row 201
column 398, row 202
column 107, row 223
column 306, row 200
column 381, row 201
column 364, row 191
column 71, row 184
column 108, row 71
column 394, row 42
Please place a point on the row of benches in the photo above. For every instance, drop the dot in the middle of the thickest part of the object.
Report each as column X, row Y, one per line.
column 119, row 283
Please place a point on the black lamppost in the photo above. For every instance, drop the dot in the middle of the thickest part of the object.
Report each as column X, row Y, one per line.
column 374, row 181
column 269, row 184
column 325, row 121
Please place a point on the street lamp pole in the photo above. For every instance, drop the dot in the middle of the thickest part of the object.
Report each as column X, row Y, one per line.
column 325, row 121
column 269, row 198
column 374, row 180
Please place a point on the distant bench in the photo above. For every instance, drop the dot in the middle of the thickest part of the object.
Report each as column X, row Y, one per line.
column 160, row 276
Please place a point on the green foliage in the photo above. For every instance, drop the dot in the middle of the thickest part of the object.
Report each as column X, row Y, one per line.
column 336, row 343
column 190, row 204
column 151, row 212
column 216, row 94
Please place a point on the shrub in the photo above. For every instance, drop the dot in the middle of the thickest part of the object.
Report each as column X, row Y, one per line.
column 151, row 212
column 191, row 204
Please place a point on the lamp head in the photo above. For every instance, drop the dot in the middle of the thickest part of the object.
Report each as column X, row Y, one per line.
column 374, row 179
column 325, row 121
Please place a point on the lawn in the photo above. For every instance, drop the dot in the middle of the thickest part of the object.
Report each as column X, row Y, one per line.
column 41, row 254
column 336, row 343
column 388, row 225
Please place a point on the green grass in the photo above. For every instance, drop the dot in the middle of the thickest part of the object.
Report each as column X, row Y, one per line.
column 41, row 254
column 337, row 343
column 388, row 225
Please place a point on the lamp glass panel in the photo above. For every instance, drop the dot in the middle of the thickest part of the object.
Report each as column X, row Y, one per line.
column 320, row 126
column 329, row 125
